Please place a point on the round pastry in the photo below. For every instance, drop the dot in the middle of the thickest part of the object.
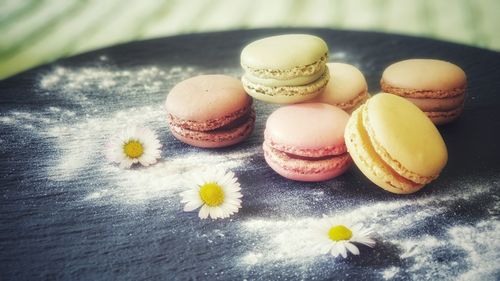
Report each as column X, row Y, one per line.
column 346, row 89
column 395, row 144
column 305, row 142
column 285, row 68
column 210, row 111
column 435, row 86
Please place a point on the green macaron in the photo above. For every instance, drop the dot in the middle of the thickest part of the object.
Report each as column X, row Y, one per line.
column 287, row 68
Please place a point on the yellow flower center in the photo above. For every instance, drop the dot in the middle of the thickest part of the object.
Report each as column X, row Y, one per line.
column 133, row 149
column 339, row 232
column 211, row 194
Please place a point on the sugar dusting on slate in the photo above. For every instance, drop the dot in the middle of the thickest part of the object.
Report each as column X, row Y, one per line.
column 288, row 241
column 81, row 143
column 78, row 144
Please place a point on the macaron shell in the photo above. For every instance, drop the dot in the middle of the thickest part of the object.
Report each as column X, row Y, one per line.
column 405, row 137
column 306, row 170
column 206, row 97
column 307, row 126
column 367, row 160
column 346, row 85
column 424, row 74
column 275, row 52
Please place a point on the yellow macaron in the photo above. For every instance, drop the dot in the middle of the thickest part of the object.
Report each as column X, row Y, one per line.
column 395, row 144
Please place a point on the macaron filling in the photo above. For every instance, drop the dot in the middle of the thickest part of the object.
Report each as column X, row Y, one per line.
column 249, row 116
column 210, row 124
column 234, row 128
column 285, row 74
column 296, row 152
column 310, row 89
column 303, row 164
column 352, row 104
column 294, row 81
column 423, row 93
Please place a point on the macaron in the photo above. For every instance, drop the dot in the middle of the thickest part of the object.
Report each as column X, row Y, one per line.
column 285, row 68
column 210, row 111
column 305, row 142
column 346, row 89
column 435, row 86
column 395, row 144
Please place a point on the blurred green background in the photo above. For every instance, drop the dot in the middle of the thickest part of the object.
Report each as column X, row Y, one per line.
column 34, row 32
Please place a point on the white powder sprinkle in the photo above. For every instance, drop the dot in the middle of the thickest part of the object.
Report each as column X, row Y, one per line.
column 75, row 83
column 390, row 272
column 80, row 142
column 166, row 178
column 482, row 244
column 289, row 240
column 337, row 56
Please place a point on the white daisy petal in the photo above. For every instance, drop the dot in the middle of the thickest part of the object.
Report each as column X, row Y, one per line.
column 219, row 212
column 368, row 242
column 342, row 249
column 126, row 163
column 352, row 248
column 192, row 205
column 190, row 194
column 204, row 212
column 335, row 250
column 325, row 248
column 211, row 212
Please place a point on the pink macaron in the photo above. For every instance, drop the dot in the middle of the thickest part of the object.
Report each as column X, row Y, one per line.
column 210, row 111
column 305, row 142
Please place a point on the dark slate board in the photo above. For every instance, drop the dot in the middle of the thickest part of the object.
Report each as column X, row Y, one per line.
column 65, row 214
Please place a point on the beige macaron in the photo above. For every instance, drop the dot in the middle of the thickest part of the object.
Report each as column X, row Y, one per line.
column 346, row 89
column 437, row 87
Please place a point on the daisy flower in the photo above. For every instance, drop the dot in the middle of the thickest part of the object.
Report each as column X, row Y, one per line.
column 338, row 239
column 217, row 192
column 134, row 145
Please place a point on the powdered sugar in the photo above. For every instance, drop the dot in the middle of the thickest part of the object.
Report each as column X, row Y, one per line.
column 98, row 78
column 482, row 243
column 164, row 179
column 390, row 272
column 411, row 230
column 80, row 141
column 290, row 241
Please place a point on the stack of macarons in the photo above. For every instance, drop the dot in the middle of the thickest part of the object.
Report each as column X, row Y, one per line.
column 285, row 68
column 293, row 68
column 312, row 136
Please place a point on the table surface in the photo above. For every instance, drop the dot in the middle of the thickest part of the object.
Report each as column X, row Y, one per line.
column 67, row 214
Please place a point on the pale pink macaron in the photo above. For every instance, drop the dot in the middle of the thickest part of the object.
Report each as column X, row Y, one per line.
column 210, row 111
column 305, row 142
